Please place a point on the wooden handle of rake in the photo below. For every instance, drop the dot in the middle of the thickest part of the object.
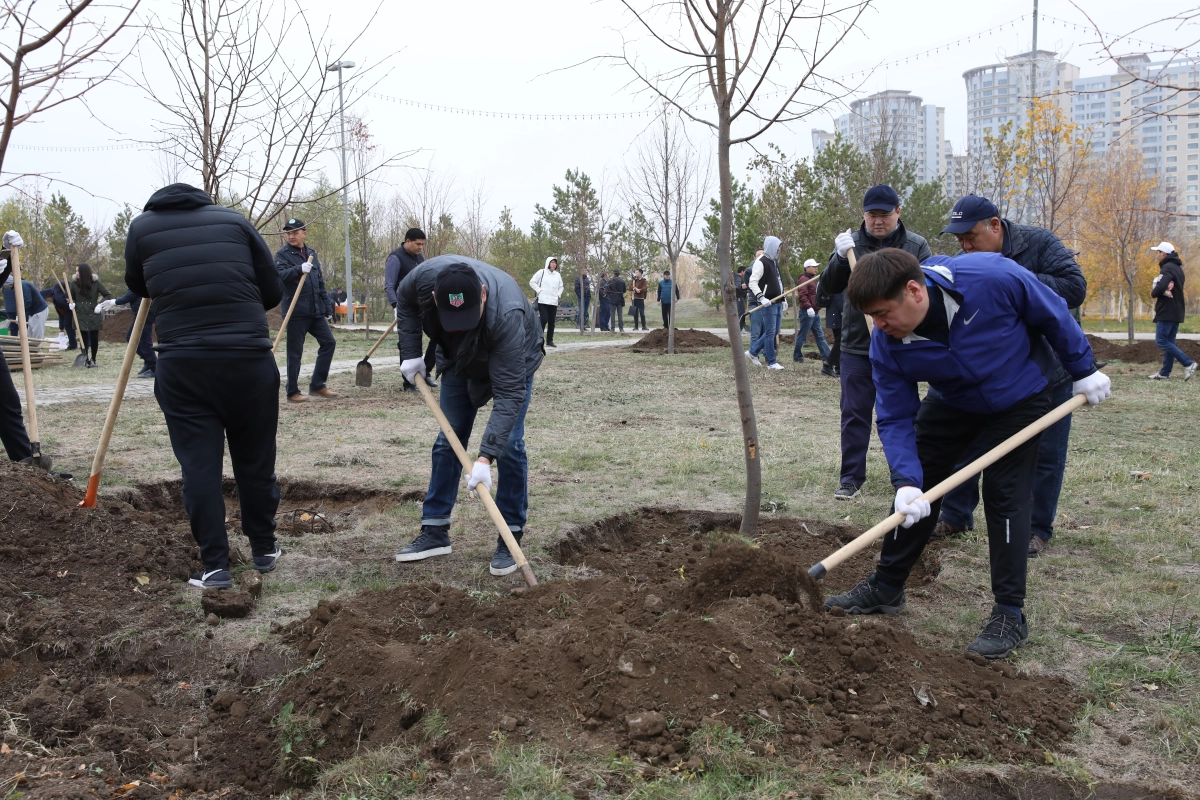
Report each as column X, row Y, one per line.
column 795, row 288
column 114, row 405
column 485, row 496
column 998, row 452
column 291, row 308
column 371, row 352
column 74, row 316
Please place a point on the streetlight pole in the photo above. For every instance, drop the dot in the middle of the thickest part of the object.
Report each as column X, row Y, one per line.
column 338, row 67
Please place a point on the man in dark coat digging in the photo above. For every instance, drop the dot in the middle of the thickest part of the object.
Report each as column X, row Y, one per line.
column 489, row 341
column 313, row 311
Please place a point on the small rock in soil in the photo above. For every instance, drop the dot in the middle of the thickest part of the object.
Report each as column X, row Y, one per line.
column 864, row 660
column 213, row 619
column 251, row 583
column 226, row 603
column 645, row 724
column 1125, row 739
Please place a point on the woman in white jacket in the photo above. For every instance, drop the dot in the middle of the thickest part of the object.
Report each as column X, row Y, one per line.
column 548, row 286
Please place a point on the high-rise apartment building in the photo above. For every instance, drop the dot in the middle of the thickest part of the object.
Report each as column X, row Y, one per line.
column 917, row 130
column 999, row 93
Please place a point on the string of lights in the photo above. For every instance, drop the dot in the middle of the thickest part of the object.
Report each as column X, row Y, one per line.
column 76, row 149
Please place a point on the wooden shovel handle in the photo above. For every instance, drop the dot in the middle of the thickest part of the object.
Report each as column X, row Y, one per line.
column 114, row 405
column 74, row 316
column 23, row 334
column 485, row 496
column 998, row 452
column 795, row 288
column 371, row 352
column 291, row 308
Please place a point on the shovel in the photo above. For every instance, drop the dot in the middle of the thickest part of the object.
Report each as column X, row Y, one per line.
column 998, row 452
column 364, row 371
column 37, row 459
column 80, row 359
column 795, row 288
column 114, row 406
column 291, row 308
column 485, row 496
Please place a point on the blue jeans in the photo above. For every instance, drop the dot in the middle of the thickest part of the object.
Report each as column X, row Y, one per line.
column 512, row 468
column 755, row 327
column 1164, row 337
column 602, row 320
column 813, row 324
column 958, row 507
column 765, row 343
column 583, row 307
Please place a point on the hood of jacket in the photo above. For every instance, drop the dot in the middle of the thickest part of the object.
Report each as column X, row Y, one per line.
column 771, row 247
column 1172, row 258
column 178, row 197
column 554, row 259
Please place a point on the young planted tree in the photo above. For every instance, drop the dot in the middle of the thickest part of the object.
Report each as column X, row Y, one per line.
column 738, row 68
column 1051, row 160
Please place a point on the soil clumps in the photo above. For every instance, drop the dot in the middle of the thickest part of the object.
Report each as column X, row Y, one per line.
column 687, row 340
column 1143, row 351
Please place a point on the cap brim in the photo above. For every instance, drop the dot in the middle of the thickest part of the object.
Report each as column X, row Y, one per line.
column 880, row 207
column 459, row 319
column 962, row 226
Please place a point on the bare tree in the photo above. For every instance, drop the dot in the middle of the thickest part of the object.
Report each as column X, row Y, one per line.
column 428, row 204
column 54, row 54
column 731, row 51
column 475, row 233
column 670, row 181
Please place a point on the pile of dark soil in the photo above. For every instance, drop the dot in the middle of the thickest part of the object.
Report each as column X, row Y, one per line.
column 117, row 325
column 1140, row 352
column 687, row 340
column 681, row 628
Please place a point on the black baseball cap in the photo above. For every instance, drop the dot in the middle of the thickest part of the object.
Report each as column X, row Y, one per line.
column 457, row 290
column 294, row 224
column 968, row 211
column 880, row 197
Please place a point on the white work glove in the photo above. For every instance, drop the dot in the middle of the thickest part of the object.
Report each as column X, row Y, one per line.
column 13, row 239
column 306, row 267
column 763, row 301
column 395, row 312
column 480, row 473
column 910, row 503
column 71, row 306
column 812, row 313
column 1097, row 387
column 410, row 368
column 784, row 306
column 843, row 243
column 105, row 305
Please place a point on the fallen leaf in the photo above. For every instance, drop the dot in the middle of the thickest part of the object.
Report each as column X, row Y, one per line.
column 306, row 516
column 144, row 580
column 62, row 574
column 184, row 685
column 924, row 694
column 4, row 749
column 1150, row 687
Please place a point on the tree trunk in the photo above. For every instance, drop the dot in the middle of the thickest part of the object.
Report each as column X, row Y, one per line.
column 671, row 316
column 1132, row 300
column 741, row 373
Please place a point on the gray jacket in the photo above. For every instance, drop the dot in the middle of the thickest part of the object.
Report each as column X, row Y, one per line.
column 514, row 348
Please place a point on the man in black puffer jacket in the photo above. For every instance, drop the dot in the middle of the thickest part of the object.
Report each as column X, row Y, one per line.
column 1170, row 309
column 881, row 228
column 975, row 222
column 313, row 311
column 212, row 278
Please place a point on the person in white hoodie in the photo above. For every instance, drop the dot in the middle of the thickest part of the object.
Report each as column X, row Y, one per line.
column 548, row 286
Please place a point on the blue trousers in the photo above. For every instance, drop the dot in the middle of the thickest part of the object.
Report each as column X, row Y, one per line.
column 512, row 468
column 1164, row 337
column 765, row 343
column 583, row 306
column 813, row 324
column 958, row 507
column 858, row 406
column 605, row 312
column 755, row 327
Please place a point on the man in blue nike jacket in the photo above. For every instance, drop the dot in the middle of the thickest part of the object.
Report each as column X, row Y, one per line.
column 965, row 326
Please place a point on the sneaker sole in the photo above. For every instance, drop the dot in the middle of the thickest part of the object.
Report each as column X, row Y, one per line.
column 210, row 584
column 424, row 554
column 500, row 573
column 873, row 609
column 996, row 656
column 271, row 568
column 845, row 496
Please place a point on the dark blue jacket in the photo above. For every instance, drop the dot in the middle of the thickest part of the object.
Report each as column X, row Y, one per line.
column 1042, row 253
column 34, row 302
column 664, row 291
column 58, row 297
column 995, row 309
column 314, row 299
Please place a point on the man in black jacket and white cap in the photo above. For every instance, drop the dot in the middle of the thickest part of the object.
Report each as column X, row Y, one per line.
column 489, row 345
column 1170, row 308
column 313, row 311
column 212, row 278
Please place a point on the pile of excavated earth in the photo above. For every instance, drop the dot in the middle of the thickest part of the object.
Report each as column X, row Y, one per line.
column 113, row 683
column 687, row 340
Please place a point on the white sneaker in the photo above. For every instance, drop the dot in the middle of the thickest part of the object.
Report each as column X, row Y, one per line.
column 753, row 359
column 1158, row 376
column 1189, row 371
column 776, row 365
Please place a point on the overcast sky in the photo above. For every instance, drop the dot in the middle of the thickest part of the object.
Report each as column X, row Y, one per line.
column 508, row 57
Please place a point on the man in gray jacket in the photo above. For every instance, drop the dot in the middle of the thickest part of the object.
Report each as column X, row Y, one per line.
column 490, row 344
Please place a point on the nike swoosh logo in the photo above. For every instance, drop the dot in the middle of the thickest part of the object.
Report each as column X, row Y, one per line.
column 967, row 321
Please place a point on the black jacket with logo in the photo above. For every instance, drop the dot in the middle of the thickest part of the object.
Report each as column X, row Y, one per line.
column 1169, row 309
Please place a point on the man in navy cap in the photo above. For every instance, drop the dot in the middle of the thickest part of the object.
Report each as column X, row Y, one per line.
column 489, row 339
column 975, row 222
column 313, row 311
column 881, row 228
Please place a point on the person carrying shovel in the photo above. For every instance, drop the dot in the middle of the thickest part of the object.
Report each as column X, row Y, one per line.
column 313, row 310
column 489, row 341
column 967, row 327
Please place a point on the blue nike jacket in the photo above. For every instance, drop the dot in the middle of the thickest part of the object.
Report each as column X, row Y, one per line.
column 993, row 306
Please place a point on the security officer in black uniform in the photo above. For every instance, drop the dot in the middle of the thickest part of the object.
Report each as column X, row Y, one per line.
column 312, row 314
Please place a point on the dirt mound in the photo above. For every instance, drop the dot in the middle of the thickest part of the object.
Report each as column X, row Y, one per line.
column 687, row 340
column 1140, row 352
column 649, row 656
column 990, row 786
column 116, row 326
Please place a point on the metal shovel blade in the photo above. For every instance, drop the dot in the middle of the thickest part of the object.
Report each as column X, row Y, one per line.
column 81, row 359
column 363, row 374
column 38, row 459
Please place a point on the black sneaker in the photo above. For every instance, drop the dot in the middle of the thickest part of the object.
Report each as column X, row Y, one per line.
column 434, row 540
column 430, row 382
column 944, row 530
column 1003, row 634
column 847, row 491
column 503, row 562
column 827, row 371
column 212, row 579
column 868, row 598
column 551, row 344
column 267, row 563
column 146, row 373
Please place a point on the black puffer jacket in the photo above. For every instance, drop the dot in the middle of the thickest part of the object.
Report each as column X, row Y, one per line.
column 1042, row 253
column 856, row 335
column 314, row 298
column 209, row 271
column 1173, row 308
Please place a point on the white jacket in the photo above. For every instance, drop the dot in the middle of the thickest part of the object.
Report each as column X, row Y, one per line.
column 547, row 284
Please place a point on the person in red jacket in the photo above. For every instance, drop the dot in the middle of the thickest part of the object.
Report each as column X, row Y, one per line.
column 810, row 315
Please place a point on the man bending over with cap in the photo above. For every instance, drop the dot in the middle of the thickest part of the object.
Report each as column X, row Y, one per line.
column 489, row 342
column 966, row 326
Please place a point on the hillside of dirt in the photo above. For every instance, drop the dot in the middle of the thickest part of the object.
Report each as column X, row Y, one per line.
column 687, row 340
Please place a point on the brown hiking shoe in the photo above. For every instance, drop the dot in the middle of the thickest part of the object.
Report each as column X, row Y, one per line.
column 297, row 398
column 324, row 391
column 1036, row 545
column 944, row 530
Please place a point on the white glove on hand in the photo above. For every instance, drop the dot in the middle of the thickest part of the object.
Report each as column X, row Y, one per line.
column 1097, row 387
column 106, row 304
column 306, row 267
column 843, row 243
column 812, row 313
column 13, row 239
column 783, row 306
column 764, row 301
column 480, row 473
column 911, row 505
column 410, row 368
column 71, row 306
column 396, row 313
